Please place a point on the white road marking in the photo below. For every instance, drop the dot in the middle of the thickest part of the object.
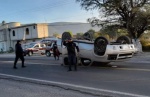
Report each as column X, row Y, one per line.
column 76, row 86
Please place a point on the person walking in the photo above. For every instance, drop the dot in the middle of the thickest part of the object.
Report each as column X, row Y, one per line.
column 71, row 46
column 56, row 52
column 19, row 54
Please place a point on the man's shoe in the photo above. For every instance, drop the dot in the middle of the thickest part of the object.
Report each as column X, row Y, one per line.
column 23, row 66
column 15, row 67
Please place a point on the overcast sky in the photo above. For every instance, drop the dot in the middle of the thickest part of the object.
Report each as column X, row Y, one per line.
column 43, row 11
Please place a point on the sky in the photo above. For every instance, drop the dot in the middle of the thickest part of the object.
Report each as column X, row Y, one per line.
column 43, row 11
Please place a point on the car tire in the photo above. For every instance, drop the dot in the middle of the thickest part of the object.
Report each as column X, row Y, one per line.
column 30, row 53
column 123, row 40
column 48, row 54
column 66, row 35
column 65, row 61
column 88, row 36
column 100, row 45
column 84, row 62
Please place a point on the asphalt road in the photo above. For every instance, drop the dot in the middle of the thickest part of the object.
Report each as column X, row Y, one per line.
column 12, row 88
column 122, row 79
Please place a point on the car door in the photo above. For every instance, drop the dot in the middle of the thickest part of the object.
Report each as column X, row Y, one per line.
column 36, row 49
column 42, row 48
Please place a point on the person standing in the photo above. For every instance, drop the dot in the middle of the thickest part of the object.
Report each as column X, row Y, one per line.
column 19, row 54
column 71, row 46
column 56, row 52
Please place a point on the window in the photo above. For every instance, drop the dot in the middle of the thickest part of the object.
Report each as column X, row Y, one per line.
column 13, row 33
column 33, row 27
column 27, row 31
column 36, row 46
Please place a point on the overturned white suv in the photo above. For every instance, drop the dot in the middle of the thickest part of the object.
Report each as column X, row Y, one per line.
column 100, row 50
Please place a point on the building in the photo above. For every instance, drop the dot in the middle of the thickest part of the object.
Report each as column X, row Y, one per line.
column 5, row 39
column 11, row 32
column 28, row 33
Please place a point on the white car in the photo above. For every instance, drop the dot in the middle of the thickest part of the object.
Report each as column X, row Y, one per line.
column 99, row 50
column 34, row 48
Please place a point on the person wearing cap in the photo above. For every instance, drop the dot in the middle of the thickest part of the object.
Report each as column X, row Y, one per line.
column 71, row 46
column 19, row 54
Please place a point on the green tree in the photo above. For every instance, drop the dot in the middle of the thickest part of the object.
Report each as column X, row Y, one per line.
column 3, row 22
column 133, row 15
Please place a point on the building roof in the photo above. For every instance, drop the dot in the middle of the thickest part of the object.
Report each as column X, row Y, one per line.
column 26, row 25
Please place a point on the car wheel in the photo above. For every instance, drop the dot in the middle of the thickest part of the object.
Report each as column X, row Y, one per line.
column 85, row 62
column 66, row 63
column 88, row 36
column 123, row 40
column 30, row 53
column 48, row 54
column 100, row 45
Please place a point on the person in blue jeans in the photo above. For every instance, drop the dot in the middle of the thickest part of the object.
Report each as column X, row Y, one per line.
column 71, row 46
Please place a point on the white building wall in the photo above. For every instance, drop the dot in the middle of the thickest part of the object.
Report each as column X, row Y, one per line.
column 36, row 31
column 42, row 31
column 5, row 41
column 3, row 46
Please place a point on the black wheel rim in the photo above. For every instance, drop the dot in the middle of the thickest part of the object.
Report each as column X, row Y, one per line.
column 100, row 45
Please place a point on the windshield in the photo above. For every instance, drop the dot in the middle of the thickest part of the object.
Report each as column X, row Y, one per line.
column 31, row 45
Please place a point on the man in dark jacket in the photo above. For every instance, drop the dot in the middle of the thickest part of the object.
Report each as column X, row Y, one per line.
column 71, row 46
column 19, row 54
column 55, row 51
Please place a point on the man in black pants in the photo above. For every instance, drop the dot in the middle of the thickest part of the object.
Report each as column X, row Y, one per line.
column 71, row 46
column 19, row 54
column 55, row 51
